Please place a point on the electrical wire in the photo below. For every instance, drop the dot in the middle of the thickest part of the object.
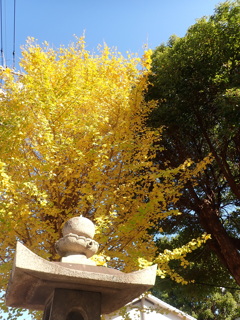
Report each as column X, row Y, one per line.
column 3, row 32
column 5, row 44
column 1, row 16
column 14, row 32
column 216, row 286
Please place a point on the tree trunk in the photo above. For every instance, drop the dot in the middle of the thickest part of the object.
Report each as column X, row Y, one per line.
column 225, row 247
column 221, row 242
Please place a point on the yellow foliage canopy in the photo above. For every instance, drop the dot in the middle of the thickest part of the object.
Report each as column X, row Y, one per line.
column 73, row 140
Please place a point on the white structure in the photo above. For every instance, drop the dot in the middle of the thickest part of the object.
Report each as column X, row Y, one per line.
column 148, row 308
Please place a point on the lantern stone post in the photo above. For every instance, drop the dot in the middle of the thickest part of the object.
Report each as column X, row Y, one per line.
column 75, row 288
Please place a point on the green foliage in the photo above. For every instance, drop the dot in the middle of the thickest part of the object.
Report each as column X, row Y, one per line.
column 198, row 302
column 196, row 81
column 207, row 281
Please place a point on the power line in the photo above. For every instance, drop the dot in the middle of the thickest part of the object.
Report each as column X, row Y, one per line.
column 216, row 286
column 14, row 32
column 1, row 13
column 5, row 53
column 4, row 15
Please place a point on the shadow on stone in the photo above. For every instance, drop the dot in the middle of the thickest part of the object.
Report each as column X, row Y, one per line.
column 75, row 315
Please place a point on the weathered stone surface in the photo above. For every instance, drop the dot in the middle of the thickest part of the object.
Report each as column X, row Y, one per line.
column 73, row 244
column 80, row 226
column 77, row 244
column 34, row 280
column 73, row 305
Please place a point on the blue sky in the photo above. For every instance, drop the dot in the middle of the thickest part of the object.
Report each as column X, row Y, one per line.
column 125, row 24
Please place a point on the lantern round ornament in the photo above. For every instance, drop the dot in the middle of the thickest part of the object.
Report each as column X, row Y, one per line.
column 77, row 244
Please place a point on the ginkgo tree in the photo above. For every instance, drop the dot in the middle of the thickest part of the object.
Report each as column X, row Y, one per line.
column 73, row 141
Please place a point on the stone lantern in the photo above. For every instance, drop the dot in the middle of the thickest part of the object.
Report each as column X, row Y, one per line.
column 75, row 288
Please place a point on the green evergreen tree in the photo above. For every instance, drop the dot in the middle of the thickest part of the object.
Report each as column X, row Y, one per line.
column 196, row 81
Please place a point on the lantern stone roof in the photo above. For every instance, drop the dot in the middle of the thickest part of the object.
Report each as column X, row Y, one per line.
column 39, row 284
column 34, row 280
